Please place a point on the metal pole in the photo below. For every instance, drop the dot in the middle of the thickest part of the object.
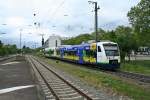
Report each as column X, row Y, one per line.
column 42, row 40
column 43, row 43
column 20, row 40
column 96, row 21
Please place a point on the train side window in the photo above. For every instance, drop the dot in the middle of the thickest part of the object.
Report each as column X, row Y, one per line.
column 99, row 49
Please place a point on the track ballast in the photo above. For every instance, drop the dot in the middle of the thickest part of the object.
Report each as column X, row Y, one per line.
column 56, row 87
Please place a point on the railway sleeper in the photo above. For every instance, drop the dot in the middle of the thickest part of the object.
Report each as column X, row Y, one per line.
column 72, row 91
column 73, row 98
column 69, row 95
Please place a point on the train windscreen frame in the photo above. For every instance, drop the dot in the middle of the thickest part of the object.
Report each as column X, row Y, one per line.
column 111, row 49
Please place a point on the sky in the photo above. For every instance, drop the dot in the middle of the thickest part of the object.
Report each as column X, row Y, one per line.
column 66, row 18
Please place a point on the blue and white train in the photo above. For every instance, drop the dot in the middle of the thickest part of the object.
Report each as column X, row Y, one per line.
column 105, row 55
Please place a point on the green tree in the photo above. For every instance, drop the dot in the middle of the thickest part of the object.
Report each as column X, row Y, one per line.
column 139, row 17
column 7, row 49
column 27, row 49
column 1, row 44
column 124, row 36
column 109, row 35
column 126, row 40
column 78, row 40
column 100, row 34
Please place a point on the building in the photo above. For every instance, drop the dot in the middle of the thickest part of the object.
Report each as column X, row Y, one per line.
column 143, row 50
column 52, row 42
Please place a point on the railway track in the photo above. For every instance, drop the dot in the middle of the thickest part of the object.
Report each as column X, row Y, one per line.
column 135, row 76
column 56, row 87
column 6, row 58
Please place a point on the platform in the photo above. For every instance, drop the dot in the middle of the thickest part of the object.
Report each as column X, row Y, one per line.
column 16, row 81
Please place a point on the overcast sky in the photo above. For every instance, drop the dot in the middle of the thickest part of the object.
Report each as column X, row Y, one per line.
column 59, row 17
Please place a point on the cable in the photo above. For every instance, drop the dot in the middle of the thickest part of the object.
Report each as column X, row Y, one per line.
column 54, row 12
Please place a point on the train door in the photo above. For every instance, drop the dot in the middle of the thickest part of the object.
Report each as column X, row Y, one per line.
column 61, row 53
column 99, row 54
column 80, row 53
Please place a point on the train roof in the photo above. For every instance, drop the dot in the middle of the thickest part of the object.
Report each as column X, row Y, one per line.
column 104, row 42
column 70, row 47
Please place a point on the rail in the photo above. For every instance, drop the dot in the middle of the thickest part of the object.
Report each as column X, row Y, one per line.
column 55, row 79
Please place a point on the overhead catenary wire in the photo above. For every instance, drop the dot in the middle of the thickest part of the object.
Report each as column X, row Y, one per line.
column 53, row 17
column 54, row 12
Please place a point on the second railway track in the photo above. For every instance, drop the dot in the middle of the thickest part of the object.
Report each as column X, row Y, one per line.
column 56, row 87
column 143, row 79
column 138, row 77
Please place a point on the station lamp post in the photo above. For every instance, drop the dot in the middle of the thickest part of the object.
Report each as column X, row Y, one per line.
column 20, row 32
column 2, row 33
column 38, row 26
column 20, row 40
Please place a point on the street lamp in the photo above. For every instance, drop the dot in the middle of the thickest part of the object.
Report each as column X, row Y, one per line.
column 2, row 33
column 20, row 38
column 3, row 25
column 38, row 26
column 21, row 30
column 65, row 15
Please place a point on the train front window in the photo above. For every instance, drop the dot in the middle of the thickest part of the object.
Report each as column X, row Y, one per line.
column 111, row 49
column 111, row 52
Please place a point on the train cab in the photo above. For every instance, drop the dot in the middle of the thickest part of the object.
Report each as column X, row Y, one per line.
column 108, row 55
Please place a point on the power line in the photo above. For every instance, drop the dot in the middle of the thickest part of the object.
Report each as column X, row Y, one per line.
column 56, row 10
column 36, row 11
column 58, row 7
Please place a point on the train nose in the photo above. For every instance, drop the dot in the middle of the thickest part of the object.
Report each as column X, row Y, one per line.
column 113, row 62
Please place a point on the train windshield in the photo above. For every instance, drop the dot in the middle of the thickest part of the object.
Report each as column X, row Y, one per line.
column 111, row 49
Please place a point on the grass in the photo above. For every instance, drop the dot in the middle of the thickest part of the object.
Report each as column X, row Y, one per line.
column 101, row 80
column 142, row 67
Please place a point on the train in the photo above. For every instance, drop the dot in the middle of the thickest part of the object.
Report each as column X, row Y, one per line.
column 105, row 55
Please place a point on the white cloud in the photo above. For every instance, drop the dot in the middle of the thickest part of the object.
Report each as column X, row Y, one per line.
column 19, row 13
column 16, row 21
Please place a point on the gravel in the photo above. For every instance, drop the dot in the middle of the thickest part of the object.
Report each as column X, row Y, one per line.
column 92, row 91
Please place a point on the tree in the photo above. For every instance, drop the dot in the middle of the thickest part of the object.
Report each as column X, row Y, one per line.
column 126, row 40
column 7, row 49
column 124, row 36
column 109, row 35
column 84, row 38
column 1, row 43
column 78, row 40
column 13, row 49
column 26, row 50
column 139, row 17
column 99, row 35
